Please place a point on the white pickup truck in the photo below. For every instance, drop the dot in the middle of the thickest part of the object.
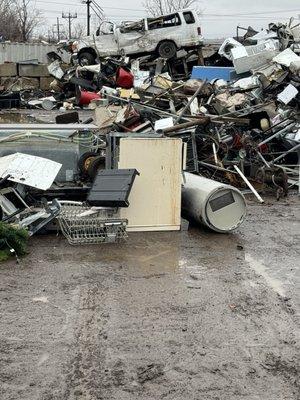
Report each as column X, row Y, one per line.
column 164, row 35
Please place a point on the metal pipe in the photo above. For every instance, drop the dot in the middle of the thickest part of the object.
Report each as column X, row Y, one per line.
column 189, row 102
column 158, row 96
column 287, row 152
column 278, row 124
column 262, row 159
column 294, row 171
column 214, row 118
column 185, row 125
column 140, row 105
column 204, row 164
column 215, row 153
column 248, row 184
column 277, row 134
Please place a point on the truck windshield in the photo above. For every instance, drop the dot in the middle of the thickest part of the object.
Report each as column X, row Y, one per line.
column 106, row 28
column 166, row 21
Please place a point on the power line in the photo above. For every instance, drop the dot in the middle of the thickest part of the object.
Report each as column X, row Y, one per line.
column 97, row 5
column 99, row 8
column 253, row 13
column 204, row 13
column 202, row 17
column 97, row 13
column 205, row 17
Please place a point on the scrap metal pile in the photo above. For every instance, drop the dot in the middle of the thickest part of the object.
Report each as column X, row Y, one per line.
column 238, row 120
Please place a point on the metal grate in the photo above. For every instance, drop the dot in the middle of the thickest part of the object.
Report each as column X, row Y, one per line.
column 82, row 225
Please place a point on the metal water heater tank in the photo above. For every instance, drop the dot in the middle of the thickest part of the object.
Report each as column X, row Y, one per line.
column 219, row 206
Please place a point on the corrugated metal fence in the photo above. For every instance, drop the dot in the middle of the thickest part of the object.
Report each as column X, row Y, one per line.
column 17, row 52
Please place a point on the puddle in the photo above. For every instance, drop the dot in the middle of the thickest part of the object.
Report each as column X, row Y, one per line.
column 262, row 270
column 151, row 251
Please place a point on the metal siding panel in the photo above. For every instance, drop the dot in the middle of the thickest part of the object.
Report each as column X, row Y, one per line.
column 17, row 52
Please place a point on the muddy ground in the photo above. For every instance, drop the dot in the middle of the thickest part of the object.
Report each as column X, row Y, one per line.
column 176, row 316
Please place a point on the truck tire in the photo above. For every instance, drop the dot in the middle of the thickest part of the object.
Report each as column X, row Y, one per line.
column 167, row 49
column 85, row 161
column 96, row 164
column 86, row 58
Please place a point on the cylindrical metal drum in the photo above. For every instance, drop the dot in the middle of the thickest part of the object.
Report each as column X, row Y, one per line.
column 220, row 207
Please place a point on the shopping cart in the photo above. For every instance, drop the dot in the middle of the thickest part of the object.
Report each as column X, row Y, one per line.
column 81, row 224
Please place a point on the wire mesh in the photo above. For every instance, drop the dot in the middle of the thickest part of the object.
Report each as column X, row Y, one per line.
column 82, row 225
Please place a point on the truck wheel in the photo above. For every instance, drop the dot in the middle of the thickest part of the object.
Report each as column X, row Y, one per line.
column 86, row 59
column 167, row 49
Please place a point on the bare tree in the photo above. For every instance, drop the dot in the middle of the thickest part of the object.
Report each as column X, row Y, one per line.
column 28, row 17
column 46, row 34
column 79, row 30
column 160, row 7
column 9, row 29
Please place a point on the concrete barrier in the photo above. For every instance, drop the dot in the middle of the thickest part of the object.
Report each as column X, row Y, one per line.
column 33, row 71
column 25, row 76
column 8, row 70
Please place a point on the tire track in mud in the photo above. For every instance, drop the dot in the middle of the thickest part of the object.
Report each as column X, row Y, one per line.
column 88, row 362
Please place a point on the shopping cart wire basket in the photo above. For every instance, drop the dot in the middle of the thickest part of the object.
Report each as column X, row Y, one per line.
column 81, row 224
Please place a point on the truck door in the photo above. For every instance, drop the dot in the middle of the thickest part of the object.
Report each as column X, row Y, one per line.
column 130, row 37
column 105, row 39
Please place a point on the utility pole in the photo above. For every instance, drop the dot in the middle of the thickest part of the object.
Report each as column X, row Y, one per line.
column 89, row 17
column 58, row 33
column 88, row 5
column 58, row 25
column 70, row 17
column 92, row 5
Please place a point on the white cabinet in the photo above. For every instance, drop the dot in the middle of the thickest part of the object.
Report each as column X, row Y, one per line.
column 155, row 199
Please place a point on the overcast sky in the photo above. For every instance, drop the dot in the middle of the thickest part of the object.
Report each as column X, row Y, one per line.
column 219, row 17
